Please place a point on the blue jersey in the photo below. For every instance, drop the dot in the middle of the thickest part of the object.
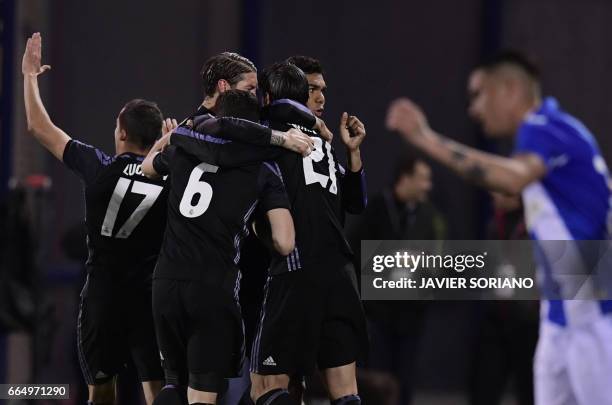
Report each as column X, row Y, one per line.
column 572, row 201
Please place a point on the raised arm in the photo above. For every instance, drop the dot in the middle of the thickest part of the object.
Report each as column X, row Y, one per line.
column 354, row 192
column 39, row 122
column 497, row 173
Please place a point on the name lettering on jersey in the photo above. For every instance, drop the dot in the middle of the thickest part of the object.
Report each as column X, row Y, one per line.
column 308, row 131
column 133, row 169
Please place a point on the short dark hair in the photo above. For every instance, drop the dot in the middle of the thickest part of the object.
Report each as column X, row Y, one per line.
column 227, row 66
column 405, row 165
column 238, row 104
column 513, row 58
column 284, row 80
column 142, row 122
column 306, row 63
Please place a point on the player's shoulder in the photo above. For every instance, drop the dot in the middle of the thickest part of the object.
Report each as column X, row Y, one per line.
column 75, row 146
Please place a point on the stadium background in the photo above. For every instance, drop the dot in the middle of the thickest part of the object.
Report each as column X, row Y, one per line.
column 104, row 53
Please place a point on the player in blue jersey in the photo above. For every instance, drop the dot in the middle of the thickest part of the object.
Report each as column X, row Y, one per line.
column 564, row 182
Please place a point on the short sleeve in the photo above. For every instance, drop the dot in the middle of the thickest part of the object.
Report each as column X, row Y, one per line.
column 161, row 161
column 542, row 141
column 272, row 193
column 85, row 160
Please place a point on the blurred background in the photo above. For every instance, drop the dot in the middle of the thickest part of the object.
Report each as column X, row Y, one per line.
column 104, row 53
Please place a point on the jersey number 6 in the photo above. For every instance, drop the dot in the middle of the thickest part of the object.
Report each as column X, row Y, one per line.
column 197, row 187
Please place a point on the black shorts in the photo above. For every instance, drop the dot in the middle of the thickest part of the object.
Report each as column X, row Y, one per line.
column 115, row 322
column 200, row 332
column 309, row 319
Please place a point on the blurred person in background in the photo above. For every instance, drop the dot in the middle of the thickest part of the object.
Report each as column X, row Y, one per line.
column 558, row 168
column 506, row 331
column 400, row 212
column 124, row 234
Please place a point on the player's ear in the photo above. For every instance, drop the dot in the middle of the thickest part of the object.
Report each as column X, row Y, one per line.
column 223, row 86
column 123, row 135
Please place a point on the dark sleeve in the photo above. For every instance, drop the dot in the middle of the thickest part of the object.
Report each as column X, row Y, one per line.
column 85, row 160
column 236, row 129
column 161, row 161
column 292, row 111
column 354, row 191
column 222, row 152
column 272, row 192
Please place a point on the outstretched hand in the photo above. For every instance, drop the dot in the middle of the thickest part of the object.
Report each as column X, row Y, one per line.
column 31, row 63
column 407, row 118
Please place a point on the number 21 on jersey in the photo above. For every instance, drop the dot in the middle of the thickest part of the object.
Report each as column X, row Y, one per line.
column 317, row 155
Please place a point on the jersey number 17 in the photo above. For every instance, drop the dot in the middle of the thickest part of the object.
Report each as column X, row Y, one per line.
column 150, row 192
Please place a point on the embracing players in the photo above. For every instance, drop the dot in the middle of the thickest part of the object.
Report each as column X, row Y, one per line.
column 311, row 315
column 125, row 218
column 196, row 283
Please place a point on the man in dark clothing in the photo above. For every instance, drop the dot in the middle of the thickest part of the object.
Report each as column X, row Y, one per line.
column 400, row 212
column 125, row 220
column 196, row 281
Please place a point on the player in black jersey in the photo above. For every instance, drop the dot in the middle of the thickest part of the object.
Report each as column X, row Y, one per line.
column 316, row 82
column 311, row 313
column 196, row 281
column 125, row 218
column 231, row 71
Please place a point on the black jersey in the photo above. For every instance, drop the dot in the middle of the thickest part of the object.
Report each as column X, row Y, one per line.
column 212, row 129
column 319, row 189
column 208, row 213
column 125, row 211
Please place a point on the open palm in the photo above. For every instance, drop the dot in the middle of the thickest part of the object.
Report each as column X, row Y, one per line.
column 31, row 65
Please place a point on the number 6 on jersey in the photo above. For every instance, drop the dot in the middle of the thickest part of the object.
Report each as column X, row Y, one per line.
column 201, row 189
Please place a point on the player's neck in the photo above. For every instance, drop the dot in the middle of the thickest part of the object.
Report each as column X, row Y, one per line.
column 129, row 148
column 210, row 102
column 526, row 109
